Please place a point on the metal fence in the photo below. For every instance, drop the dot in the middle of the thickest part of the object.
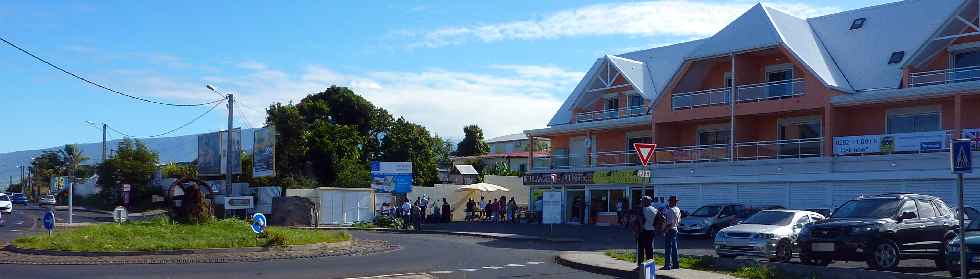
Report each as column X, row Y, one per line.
column 600, row 115
column 944, row 76
column 745, row 93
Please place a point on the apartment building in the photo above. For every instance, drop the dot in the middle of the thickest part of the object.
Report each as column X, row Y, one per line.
column 774, row 110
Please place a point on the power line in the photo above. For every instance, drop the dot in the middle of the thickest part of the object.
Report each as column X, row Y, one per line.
column 117, row 131
column 102, row 86
column 188, row 123
column 242, row 116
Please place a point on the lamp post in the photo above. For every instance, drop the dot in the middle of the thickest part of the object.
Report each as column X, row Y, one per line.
column 104, row 146
column 231, row 118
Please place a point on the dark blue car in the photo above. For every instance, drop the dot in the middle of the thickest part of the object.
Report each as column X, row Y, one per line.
column 18, row 198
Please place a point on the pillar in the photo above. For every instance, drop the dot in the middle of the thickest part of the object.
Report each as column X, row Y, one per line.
column 828, row 130
column 530, row 153
column 957, row 116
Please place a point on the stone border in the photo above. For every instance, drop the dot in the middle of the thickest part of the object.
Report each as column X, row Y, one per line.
column 505, row 236
column 293, row 248
column 356, row 247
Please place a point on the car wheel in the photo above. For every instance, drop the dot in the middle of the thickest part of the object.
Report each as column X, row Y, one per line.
column 885, row 256
column 954, row 271
column 940, row 259
column 784, row 252
column 811, row 261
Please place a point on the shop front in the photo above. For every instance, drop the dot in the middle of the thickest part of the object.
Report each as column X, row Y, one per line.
column 594, row 197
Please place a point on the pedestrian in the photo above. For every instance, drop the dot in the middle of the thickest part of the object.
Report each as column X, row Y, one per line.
column 539, row 209
column 425, row 206
column 436, row 215
column 672, row 216
column 406, row 213
column 482, row 208
column 446, row 212
column 491, row 209
column 511, row 210
column 417, row 215
column 649, row 214
column 619, row 211
column 470, row 210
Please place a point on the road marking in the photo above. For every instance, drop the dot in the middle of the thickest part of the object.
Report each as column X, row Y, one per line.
column 15, row 230
column 492, row 267
column 398, row 276
column 468, row 269
column 514, row 265
column 533, row 263
column 442, row 272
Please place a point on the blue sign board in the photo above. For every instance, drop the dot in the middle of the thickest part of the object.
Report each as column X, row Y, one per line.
column 649, row 269
column 961, row 157
column 258, row 223
column 391, row 177
column 49, row 220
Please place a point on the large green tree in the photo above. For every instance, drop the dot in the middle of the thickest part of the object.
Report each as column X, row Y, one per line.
column 45, row 166
column 133, row 164
column 409, row 142
column 472, row 143
column 443, row 150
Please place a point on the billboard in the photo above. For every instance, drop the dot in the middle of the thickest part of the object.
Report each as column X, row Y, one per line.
column 908, row 142
column 58, row 183
column 264, row 152
column 211, row 153
column 391, row 177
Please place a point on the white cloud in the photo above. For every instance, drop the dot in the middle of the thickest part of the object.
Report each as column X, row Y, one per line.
column 517, row 98
column 647, row 19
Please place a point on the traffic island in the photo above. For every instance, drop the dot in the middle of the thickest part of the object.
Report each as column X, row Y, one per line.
column 162, row 241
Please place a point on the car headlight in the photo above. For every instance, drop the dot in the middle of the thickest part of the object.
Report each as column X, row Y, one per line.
column 953, row 246
column 695, row 226
column 863, row 229
column 764, row 236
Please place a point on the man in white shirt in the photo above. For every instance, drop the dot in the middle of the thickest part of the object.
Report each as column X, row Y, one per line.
column 646, row 236
column 406, row 213
column 672, row 214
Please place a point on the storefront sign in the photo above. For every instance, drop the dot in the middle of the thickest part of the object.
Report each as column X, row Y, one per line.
column 586, row 178
column 908, row 142
column 618, row 177
column 551, row 208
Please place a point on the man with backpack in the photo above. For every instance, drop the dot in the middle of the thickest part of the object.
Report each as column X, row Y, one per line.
column 642, row 224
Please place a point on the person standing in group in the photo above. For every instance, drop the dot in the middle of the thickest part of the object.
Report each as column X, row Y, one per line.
column 436, row 214
column 502, row 209
column 539, row 209
column 672, row 216
column 482, row 209
column 649, row 214
column 470, row 210
column 447, row 215
column 406, row 213
column 619, row 212
column 512, row 210
column 417, row 216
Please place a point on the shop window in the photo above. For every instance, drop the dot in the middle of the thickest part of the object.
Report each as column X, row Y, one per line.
column 914, row 120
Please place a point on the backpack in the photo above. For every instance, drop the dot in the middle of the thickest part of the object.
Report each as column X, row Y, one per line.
column 660, row 221
column 635, row 221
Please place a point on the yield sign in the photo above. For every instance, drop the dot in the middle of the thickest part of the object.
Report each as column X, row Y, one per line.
column 644, row 151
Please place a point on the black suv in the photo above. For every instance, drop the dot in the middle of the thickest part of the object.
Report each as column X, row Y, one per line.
column 881, row 230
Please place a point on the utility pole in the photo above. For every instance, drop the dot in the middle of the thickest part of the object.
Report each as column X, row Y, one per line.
column 104, row 144
column 228, row 158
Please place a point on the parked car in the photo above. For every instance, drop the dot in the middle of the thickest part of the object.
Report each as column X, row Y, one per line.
column 748, row 212
column 970, row 212
column 709, row 219
column 47, row 200
column 823, row 211
column 18, row 198
column 881, row 230
column 972, row 252
column 767, row 234
column 5, row 204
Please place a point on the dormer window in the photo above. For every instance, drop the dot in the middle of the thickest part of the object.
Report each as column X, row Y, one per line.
column 896, row 57
column 858, row 23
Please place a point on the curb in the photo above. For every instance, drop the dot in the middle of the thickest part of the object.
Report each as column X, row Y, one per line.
column 342, row 244
column 443, row 232
column 560, row 259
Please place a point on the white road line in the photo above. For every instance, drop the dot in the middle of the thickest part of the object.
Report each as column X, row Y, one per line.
column 514, row 265
column 492, row 267
column 399, row 275
column 468, row 269
column 441, row 272
column 533, row 263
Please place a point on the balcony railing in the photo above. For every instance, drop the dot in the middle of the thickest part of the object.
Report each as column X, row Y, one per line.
column 609, row 114
column 944, row 76
column 778, row 149
column 746, row 93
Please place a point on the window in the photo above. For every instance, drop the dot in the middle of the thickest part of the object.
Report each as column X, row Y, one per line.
column 794, row 135
column 805, row 219
column 779, row 77
column 909, row 206
column 713, row 136
column 896, row 57
column 728, row 79
column 728, row 211
column 612, row 108
column 914, row 120
column 965, row 64
column 635, row 105
column 926, row 210
column 858, row 23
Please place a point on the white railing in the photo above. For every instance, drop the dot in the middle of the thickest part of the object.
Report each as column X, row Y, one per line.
column 600, row 115
column 758, row 150
column 944, row 76
column 746, row 93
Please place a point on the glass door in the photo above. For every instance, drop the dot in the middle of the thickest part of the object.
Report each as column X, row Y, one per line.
column 575, row 206
column 599, row 203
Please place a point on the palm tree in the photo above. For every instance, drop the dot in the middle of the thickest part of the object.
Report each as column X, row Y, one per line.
column 73, row 158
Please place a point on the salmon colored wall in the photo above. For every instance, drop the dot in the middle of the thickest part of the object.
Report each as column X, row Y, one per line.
column 971, row 112
column 559, row 141
column 870, row 119
column 941, row 59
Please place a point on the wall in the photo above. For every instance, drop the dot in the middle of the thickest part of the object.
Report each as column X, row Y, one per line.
column 871, row 119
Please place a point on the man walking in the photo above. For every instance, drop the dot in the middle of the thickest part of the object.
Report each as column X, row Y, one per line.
column 672, row 215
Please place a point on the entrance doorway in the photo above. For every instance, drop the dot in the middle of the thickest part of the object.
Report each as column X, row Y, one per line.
column 575, row 206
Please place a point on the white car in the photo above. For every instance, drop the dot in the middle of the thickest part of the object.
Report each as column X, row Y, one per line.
column 47, row 199
column 768, row 234
column 5, row 204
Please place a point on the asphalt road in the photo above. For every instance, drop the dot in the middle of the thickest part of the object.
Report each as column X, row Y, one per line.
column 421, row 256
column 25, row 221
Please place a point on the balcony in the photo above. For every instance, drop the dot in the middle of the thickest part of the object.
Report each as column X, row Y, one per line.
column 610, row 114
column 944, row 76
column 758, row 150
column 745, row 94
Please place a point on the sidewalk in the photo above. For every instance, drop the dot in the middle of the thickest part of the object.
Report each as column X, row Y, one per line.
column 598, row 262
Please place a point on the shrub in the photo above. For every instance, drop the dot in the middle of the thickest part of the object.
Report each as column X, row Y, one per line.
column 385, row 221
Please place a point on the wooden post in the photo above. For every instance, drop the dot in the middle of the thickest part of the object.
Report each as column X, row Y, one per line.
column 828, row 130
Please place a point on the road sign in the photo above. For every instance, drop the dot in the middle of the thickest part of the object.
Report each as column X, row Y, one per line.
column 961, row 157
column 649, row 270
column 49, row 221
column 119, row 214
column 644, row 173
column 644, row 151
column 258, row 223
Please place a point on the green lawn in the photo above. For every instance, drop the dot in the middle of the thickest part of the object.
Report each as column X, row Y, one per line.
column 707, row 264
column 162, row 234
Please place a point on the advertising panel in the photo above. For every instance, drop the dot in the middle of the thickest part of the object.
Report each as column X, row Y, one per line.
column 211, row 153
column 551, row 208
column 391, row 177
column 264, row 152
column 907, row 142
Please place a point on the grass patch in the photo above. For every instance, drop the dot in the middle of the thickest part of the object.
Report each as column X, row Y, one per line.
column 708, row 264
column 161, row 234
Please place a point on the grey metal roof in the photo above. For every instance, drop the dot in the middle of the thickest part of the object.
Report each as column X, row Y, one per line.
column 752, row 30
column 466, row 169
column 511, row 137
column 862, row 54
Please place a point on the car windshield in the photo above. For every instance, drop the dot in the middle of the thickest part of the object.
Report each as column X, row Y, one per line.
column 4, row 198
column 775, row 218
column 19, row 195
column 707, row 211
column 868, row 208
column 973, row 226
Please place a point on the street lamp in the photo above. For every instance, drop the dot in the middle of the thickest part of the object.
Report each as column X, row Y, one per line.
column 231, row 117
column 104, row 146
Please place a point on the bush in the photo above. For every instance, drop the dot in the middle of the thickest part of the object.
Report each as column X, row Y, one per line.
column 385, row 221
column 276, row 239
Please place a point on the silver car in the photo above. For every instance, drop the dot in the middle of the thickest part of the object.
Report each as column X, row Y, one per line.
column 768, row 234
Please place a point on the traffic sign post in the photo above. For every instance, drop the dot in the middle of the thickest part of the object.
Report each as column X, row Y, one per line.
column 961, row 161
column 644, row 151
column 258, row 223
column 49, row 221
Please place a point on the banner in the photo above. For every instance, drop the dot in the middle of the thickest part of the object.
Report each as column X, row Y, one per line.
column 907, row 142
column 391, row 177
column 58, row 183
column 551, row 208
column 211, row 153
column 264, row 152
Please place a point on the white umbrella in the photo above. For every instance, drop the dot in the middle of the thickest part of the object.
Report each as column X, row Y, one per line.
column 482, row 187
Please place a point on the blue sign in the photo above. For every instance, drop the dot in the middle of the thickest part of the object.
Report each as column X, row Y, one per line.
column 391, row 177
column 49, row 220
column 375, row 166
column 258, row 223
column 649, row 269
column 961, row 157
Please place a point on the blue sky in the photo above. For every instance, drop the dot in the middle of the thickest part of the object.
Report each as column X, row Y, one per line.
column 504, row 65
